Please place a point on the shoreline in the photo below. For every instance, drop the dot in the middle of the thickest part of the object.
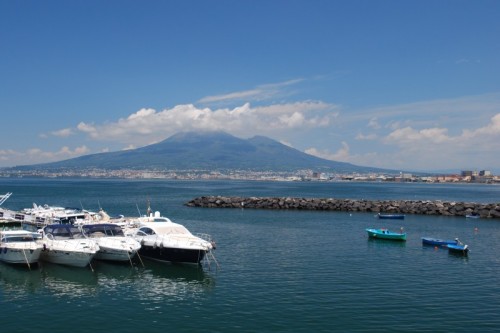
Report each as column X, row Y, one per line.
column 417, row 207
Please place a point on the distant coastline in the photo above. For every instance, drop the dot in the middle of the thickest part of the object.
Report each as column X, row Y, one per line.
column 298, row 176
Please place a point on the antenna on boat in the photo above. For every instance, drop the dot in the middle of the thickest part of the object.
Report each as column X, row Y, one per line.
column 138, row 209
column 149, row 211
column 4, row 197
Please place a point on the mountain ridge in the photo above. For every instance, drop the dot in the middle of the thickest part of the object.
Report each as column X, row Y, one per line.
column 213, row 150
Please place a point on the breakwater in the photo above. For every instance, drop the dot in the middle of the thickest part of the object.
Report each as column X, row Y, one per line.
column 423, row 207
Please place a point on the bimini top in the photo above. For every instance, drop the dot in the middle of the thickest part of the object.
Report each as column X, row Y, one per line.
column 9, row 236
column 63, row 231
column 105, row 229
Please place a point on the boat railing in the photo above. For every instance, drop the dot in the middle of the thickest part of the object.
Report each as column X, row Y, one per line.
column 21, row 245
column 204, row 236
column 65, row 243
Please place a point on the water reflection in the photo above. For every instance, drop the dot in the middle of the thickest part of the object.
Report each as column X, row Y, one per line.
column 19, row 280
column 381, row 243
column 151, row 282
column 159, row 281
column 68, row 281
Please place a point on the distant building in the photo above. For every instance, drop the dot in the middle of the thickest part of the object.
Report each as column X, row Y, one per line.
column 485, row 173
column 467, row 173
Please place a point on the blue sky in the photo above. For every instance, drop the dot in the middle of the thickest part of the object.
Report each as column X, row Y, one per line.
column 410, row 85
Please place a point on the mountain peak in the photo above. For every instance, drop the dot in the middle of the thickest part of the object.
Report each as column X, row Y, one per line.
column 207, row 150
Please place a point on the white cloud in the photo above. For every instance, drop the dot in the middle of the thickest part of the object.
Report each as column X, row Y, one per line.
column 260, row 93
column 407, row 135
column 37, row 155
column 341, row 155
column 147, row 125
column 63, row 133
column 361, row 136
column 373, row 123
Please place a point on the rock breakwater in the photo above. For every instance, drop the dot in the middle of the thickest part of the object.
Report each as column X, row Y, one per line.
column 422, row 207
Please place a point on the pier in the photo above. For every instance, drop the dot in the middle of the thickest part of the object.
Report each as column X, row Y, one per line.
column 421, row 207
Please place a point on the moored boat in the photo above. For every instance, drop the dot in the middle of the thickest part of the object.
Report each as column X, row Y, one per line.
column 459, row 248
column 166, row 241
column 65, row 244
column 386, row 234
column 438, row 242
column 113, row 244
column 19, row 247
column 391, row 216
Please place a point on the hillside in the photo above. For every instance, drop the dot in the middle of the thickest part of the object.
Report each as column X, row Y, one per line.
column 207, row 151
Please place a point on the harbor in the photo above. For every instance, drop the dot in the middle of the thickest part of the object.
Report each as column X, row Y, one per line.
column 276, row 265
column 75, row 237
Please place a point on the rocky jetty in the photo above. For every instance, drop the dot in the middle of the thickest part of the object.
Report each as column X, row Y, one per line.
column 423, row 207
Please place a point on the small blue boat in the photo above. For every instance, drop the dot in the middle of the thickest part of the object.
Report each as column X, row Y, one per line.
column 459, row 249
column 391, row 216
column 438, row 242
column 386, row 234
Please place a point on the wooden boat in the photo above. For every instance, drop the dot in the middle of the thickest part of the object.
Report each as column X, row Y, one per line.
column 391, row 216
column 386, row 234
column 438, row 242
column 459, row 249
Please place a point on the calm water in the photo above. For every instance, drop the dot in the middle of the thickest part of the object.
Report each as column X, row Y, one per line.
column 280, row 271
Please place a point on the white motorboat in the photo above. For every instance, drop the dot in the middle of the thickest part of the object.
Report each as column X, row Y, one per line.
column 45, row 215
column 66, row 244
column 19, row 247
column 113, row 244
column 163, row 240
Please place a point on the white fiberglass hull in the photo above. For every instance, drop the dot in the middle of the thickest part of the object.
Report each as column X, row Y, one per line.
column 76, row 253
column 21, row 254
column 117, row 248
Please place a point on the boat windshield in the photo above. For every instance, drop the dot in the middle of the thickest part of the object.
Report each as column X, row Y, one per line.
column 17, row 238
column 64, row 231
column 103, row 230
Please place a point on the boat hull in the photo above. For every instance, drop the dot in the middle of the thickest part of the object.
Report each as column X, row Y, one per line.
column 458, row 249
column 114, row 254
column 385, row 234
column 68, row 258
column 391, row 216
column 437, row 242
column 176, row 255
column 20, row 255
column 117, row 248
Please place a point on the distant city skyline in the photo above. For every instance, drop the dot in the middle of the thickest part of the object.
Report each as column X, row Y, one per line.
column 385, row 84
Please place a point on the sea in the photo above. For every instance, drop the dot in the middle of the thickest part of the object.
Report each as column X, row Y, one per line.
column 276, row 270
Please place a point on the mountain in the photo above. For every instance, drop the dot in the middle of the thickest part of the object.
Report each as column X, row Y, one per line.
column 206, row 151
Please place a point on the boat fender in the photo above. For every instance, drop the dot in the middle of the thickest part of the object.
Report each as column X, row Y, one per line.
column 154, row 245
column 161, row 245
column 213, row 245
column 44, row 247
column 142, row 242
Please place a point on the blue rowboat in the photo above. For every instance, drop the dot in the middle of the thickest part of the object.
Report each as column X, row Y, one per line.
column 459, row 249
column 391, row 216
column 386, row 234
column 438, row 242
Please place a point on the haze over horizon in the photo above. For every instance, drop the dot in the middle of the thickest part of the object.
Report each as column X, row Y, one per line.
column 385, row 84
